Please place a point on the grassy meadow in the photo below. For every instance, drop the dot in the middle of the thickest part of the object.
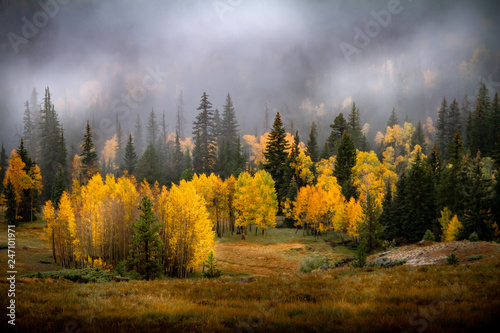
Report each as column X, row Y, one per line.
column 260, row 291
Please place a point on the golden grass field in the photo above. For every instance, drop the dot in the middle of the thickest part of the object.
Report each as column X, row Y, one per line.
column 261, row 291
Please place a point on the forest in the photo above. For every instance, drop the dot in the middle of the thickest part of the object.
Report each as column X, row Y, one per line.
column 157, row 202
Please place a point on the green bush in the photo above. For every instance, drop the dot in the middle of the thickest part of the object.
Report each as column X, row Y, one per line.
column 360, row 256
column 211, row 266
column 428, row 236
column 452, row 259
column 121, row 268
column 474, row 237
column 76, row 275
column 310, row 264
column 475, row 257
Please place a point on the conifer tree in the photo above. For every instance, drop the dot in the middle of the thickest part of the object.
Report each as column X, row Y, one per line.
column 442, row 129
column 177, row 160
column 145, row 256
column 129, row 162
column 229, row 124
column 152, row 129
column 354, row 127
column 312, row 144
column 418, row 137
column 393, row 119
column 387, row 218
column 90, row 162
column 179, row 121
column 58, row 187
column 205, row 146
column 149, row 167
column 420, row 202
column 4, row 162
column 120, row 146
column 276, row 156
column 371, row 230
column 338, row 127
column 29, row 129
column 138, row 137
column 346, row 160
column 10, row 197
column 454, row 123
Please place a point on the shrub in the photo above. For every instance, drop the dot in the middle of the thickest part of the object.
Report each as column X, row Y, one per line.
column 211, row 265
column 120, row 268
column 428, row 236
column 76, row 275
column 474, row 237
column 475, row 257
column 452, row 259
column 389, row 244
column 310, row 264
column 360, row 257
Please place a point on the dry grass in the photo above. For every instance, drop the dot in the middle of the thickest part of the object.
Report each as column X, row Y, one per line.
column 413, row 299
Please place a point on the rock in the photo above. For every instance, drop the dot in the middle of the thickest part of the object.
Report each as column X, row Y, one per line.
column 421, row 242
column 420, row 253
column 324, row 266
column 25, row 247
column 381, row 261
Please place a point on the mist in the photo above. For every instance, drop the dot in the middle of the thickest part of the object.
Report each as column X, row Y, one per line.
column 304, row 58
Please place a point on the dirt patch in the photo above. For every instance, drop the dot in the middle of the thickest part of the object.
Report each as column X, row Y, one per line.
column 431, row 253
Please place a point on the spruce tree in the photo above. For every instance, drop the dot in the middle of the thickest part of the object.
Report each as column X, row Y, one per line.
column 238, row 158
column 354, row 127
column 177, row 160
column 229, row 125
column 276, row 156
column 90, row 163
column 29, row 129
column 120, row 145
column 28, row 196
column 138, row 137
column 10, row 197
column 4, row 163
column 179, row 121
column 454, row 123
column 149, row 167
column 205, row 146
column 312, row 144
column 479, row 137
column 393, row 119
column 420, row 202
column 371, row 229
column 418, row 137
column 346, row 160
column 387, row 218
column 442, row 129
column 152, row 128
column 338, row 127
column 145, row 256
column 58, row 187
column 129, row 162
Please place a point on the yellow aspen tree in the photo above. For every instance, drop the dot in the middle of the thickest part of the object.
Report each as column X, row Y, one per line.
column 50, row 218
column 244, row 200
column 18, row 177
column 444, row 221
column 266, row 203
column 353, row 217
column 65, row 229
column 453, row 229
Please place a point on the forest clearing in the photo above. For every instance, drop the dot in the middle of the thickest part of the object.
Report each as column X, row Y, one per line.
column 261, row 290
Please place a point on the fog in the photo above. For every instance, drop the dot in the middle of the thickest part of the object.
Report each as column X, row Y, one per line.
column 306, row 58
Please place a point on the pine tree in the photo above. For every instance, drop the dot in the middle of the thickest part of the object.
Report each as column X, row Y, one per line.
column 393, row 119
column 10, row 196
column 442, row 129
column 152, row 128
column 138, row 137
column 177, row 160
column 479, row 136
column 466, row 120
column 339, row 126
column 420, row 202
column 454, row 121
column 29, row 129
column 238, row 158
column 387, row 218
column 229, row 125
column 434, row 163
column 29, row 194
column 418, row 137
column 346, row 160
column 4, row 162
column 276, row 156
column 354, row 127
column 312, row 144
column 145, row 255
column 119, row 142
column 149, row 167
column 129, row 162
column 58, row 187
column 205, row 146
column 292, row 173
column 90, row 162
column 179, row 121
column 371, row 230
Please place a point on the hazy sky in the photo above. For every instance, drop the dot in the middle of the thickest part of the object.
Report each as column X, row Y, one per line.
column 315, row 57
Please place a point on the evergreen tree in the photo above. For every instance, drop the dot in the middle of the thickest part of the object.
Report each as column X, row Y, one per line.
column 276, row 157
column 89, row 155
column 312, row 144
column 466, row 117
column 29, row 196
column 205, row 146
column 418, row 137
column 138, row 137
column 152, row 128
column 177, row 160
column 149, row 168
column 129, row 162
column 434, row 163
column 10, row 196
column 371, row 230
column 420, row 202
column 387, row 218
column 4, row 162
column 58, row 187
column 238, row 158
column 338, row 127
column 50, row 137
column 354, row 127
column 29, row 129
column 393, row 119
column 119, row 142
column 454, row 121
column 478, row 217
column 346, row 160
column 442, row 129
column 292, row 175
column 179, row 124
column 229, row 125
column 479, row 135
column 145, row 255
